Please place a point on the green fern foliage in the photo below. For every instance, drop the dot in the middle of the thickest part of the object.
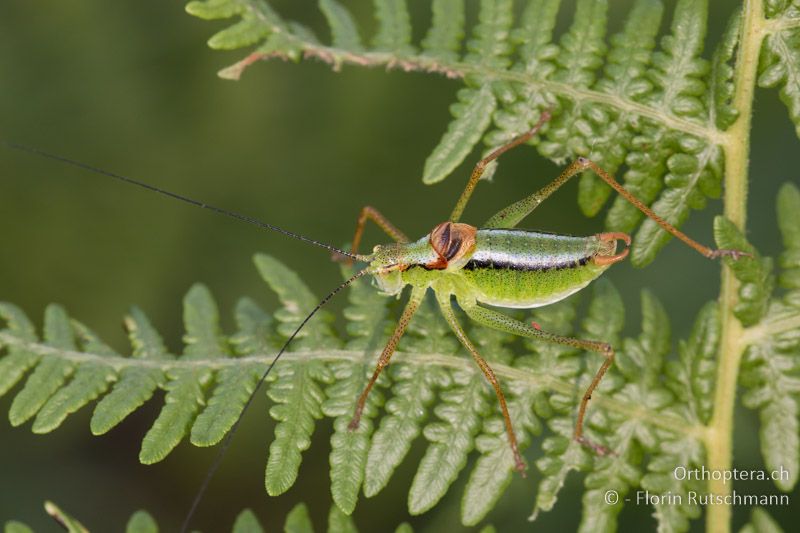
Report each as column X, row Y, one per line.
column 770, row 367
column 779, row 65
column 297, row 521
column 324, row 372
column 640, row 100
column 649, row 102
column 414, row 389
column 652, row 410
column 761, row 522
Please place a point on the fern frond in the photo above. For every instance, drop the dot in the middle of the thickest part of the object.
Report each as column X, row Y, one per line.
column 634, row 412
column 142, row 522
column 14, row 526
column 87, row 383
column 691, row 377
column 17, row 360
column 394, row 27
column 721, row 85
column 246, row 522
column 561, row 453
column 789, row 224
column 658, row 111
column 761, row 522
column 344, row 32
column 350, row 448
column 770, row 374
column 639, row 362
column 493, row 470
column 296, row 387
column 443, row 40
column 297, row 521
column 488, row 49
column 779, row 65
column 691, row 380
column 50, row 374
column 691, row 166
column 136, row 384
column 755, row 273
column 770, row 368
column 451, row 439
column 414, row 390
column 580, row 55
column 606, row 134
column 472, row 113
column 65, row 520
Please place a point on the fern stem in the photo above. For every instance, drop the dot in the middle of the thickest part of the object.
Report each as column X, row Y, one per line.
column 719, row 437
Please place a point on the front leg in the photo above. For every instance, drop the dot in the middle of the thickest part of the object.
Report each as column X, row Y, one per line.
column 501, row 322
column 391, row 345
column 370, row 213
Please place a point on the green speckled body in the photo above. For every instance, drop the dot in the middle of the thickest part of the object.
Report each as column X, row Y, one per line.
column 517, row 268
column 506, row 268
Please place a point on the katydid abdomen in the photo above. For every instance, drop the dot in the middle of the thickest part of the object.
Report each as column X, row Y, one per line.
column 524, row 269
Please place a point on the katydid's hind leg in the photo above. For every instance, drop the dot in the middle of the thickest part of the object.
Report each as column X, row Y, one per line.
column 447, row 311
column 501, row 322
column 583, row 163
column 386, row 354
column 480, row 167
column 512, row 215
column 370, row 213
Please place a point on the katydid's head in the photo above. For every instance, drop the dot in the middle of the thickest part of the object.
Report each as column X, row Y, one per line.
column 387, row 262
column 448, row 245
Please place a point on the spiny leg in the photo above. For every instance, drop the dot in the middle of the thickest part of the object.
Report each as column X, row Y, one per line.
column 499, row 321
column 447, row 311
column 480, row 167
column 583, row 163
column 513, row 214
column 411, row 307
column 370, row 213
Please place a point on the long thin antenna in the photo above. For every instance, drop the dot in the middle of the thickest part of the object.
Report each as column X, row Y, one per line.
column 176, row 196
column 226, row 443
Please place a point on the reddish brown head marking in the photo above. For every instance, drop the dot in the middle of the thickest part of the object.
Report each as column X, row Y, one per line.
column 451, row 241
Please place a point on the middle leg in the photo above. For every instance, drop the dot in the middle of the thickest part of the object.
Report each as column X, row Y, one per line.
column 449, row 315
column 499, row 321
column 370, row 213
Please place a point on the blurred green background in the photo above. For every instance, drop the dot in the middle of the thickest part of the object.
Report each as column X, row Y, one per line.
column 131, row 87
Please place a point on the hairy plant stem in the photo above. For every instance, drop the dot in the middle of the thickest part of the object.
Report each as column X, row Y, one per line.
column 719, row 437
